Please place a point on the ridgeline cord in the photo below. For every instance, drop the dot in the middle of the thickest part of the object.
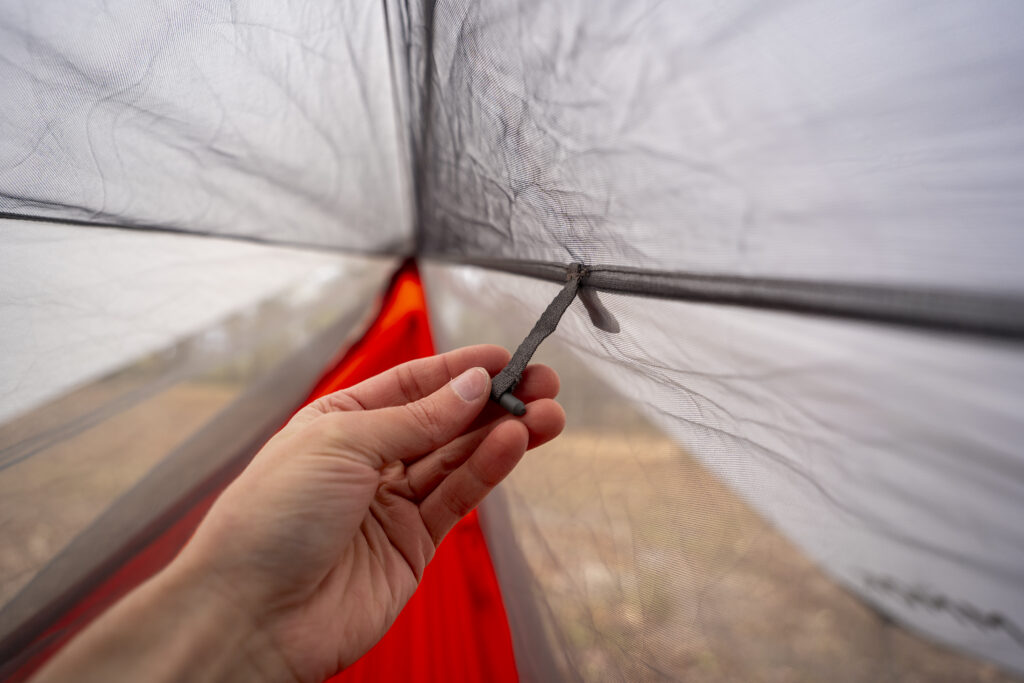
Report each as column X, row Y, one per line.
column 505, row 382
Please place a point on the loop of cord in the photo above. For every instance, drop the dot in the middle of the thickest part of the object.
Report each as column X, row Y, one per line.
column 505, row 382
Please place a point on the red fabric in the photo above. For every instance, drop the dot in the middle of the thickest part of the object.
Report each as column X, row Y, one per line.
column 400, row 333
column 454, row 629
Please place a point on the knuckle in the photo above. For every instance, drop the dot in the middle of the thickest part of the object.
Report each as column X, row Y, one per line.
column 395, row 486
column 457, row 504
column 427, row 418
column 336, row 434
column 338, row 401
column 408, row 382
column 320, row 406
column 451, row 459
column 329, row 428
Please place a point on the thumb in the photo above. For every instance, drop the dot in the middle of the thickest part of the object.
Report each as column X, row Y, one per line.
column 410, row 430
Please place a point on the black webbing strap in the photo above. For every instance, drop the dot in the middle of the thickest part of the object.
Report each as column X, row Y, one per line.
column 504, row 383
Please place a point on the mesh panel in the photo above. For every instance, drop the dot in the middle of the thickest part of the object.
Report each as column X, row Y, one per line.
column 815, row 466
column 870, row 142
column 265, row 120
column 811, row 461
column 78, row 303
column 122, row 353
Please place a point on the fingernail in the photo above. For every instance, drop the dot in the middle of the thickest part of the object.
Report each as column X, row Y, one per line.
column 471, row 384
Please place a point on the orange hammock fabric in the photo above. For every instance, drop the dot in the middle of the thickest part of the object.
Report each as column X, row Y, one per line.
column 454, row 629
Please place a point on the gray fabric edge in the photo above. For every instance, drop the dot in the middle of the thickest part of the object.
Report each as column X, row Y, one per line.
column 396, row 249
column 987, row 314
column 535, row 660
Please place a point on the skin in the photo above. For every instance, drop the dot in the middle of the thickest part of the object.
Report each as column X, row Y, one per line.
column 307, row 558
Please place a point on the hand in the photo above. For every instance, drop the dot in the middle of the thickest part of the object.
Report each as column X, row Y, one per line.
column 307, row 558
column 325, row 536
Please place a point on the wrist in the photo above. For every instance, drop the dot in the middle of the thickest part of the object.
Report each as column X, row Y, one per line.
column 224, row 639
column 175, row 627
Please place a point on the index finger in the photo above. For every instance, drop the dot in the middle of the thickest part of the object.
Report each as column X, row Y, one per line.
column 418, row 378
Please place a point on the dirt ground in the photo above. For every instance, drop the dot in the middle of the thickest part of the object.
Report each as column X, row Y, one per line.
column 652, row 570
column 46, row 499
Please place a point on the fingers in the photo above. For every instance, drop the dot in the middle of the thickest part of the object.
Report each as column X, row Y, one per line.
column 403, row 383
column 538, row 381
column 404, row 431
column 467, row 486
column 544, row 420
column 419, row 378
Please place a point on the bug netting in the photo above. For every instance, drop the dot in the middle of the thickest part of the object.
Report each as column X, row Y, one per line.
column 794, row 445
column 859, row 161
column 799, row 463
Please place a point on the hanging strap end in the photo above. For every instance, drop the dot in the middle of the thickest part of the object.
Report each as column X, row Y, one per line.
column 512, row 404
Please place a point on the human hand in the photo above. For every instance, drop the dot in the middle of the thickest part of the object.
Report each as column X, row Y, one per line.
column 325, row 536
